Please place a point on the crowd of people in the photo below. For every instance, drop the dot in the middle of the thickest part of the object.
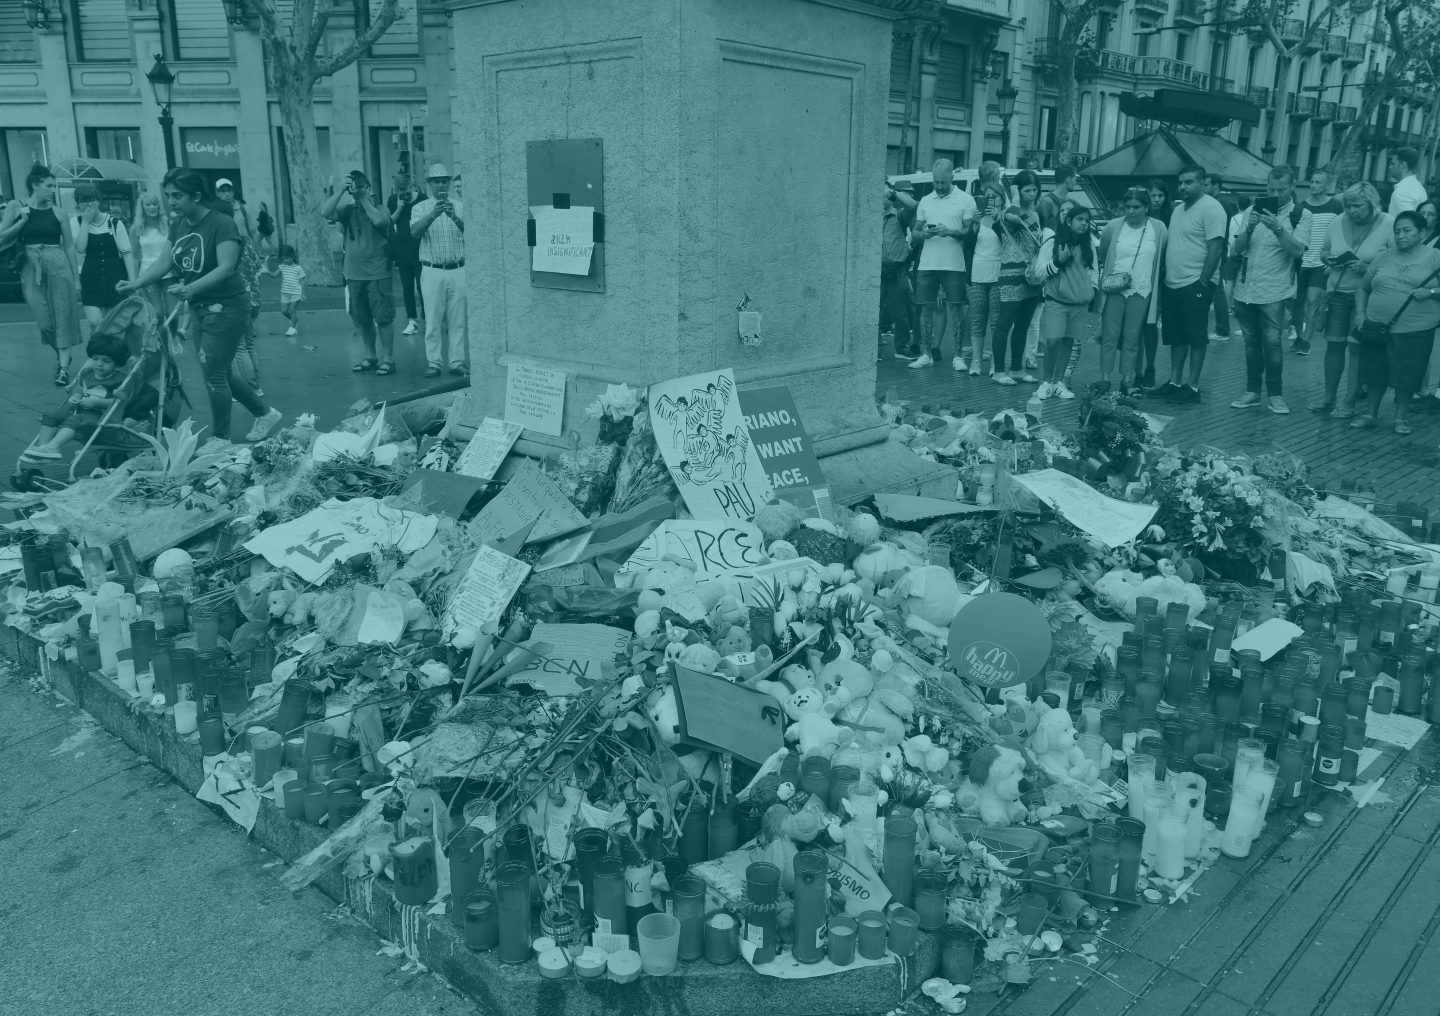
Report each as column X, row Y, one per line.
column 1178, row 272
column 195, row 254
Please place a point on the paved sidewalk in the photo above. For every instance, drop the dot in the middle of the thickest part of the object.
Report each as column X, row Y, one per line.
column 128, row 896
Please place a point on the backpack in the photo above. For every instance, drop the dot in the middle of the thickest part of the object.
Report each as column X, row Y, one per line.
column 264, row 225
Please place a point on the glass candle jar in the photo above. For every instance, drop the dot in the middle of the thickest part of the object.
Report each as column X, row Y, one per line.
column 512, row 888
column 1244, row 814
column 466, row 855
column 899, row 858
column 840, row 945
column 815, row 776
column 1128, row 851
column 1112, row 728
column 591, row 844
column 722, row 937
column 294, row 706
column 1262, row 778
column 1157, row 798
column 142, row 644
column 694, row 846
column 207, row 629
column 689, row 896
column 481, row 920
column 811, row 894
column 1291, row 780
column 234, row 696
column 1104, row 861
column 1149, row 691
column 874, row 930
column 1248, row 753
column 1141, row 771
column 843, row 781
column 762, row 887
column 1170, row 840
column 609, row 890
column 1350, row 752
column 1177, row 676
column 931, row 893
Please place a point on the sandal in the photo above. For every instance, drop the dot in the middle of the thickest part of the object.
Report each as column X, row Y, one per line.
column 1341, row 413
column 1401, row 427
column 364, row 365
column 1363, row 422
column 386, row 367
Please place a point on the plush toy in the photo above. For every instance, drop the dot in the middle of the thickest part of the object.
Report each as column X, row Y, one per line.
column 929, row 593
column 780, row 830
column 880, row 561
column 301, row 609
column 814, row 726
column 279, row 602
column 647, row 623
column 698, row 657
column 993, row 786
column 735, row 640
column 664, row 713
column 923, row 753
column 777, row 519
column 1055, row 743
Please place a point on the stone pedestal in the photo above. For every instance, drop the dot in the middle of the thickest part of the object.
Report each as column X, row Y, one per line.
column 744, row 150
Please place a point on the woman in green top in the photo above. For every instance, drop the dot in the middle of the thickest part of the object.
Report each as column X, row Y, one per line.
column 1401, row 282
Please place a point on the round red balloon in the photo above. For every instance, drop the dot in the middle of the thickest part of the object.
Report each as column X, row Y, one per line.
column 999, row 639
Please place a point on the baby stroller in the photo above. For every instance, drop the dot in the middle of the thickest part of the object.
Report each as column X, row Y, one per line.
column 148, row 399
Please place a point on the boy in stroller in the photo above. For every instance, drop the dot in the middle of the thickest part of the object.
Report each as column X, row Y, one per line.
column 95, row 389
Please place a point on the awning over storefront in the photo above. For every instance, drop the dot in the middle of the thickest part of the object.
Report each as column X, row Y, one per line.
column 1163, row 151
column 94, row 170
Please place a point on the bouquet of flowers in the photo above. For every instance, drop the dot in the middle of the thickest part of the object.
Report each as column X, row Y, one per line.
column 1216, row 511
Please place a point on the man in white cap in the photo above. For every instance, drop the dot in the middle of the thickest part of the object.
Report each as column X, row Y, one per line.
column 439, row 224
column 225, row 191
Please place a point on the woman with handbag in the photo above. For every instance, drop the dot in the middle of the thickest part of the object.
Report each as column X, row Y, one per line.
column 103, row 245
column 1131, row 249
column 1019, row 231
column 34, row 234
column 1398, row 305
column 1070, row 289
column 1355, row 238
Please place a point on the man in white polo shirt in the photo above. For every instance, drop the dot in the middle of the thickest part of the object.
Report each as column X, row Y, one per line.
column 1409, row 193
column 941, row 219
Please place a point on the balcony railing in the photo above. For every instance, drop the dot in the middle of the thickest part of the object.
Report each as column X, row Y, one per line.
column 1226, row 85
column 1166, row 70
column 1334, row 47
column 1381, row 33
column 1110, row 61
column 1346, row 114
column 1292, row 30
column 1374, row 77
column 1045, row 52
column 1192, row 11
column 1302, row 107
column 1260, row 96
column 1324, row 112
column 1155, row 6
column 1354, row 54
column 1314, row 42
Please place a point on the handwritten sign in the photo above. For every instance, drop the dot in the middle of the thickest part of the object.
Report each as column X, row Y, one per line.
column 709, row 548
column 488, row 448
column 784, row 448
column 862, row 887
column 1112, row 522
column 491, row 581
column 701, row 433
column 726, row 717
column 528, row 496
column 564, row 239
column 313, row 544
column 535, row 397
column 429, row 490
column 580, row 655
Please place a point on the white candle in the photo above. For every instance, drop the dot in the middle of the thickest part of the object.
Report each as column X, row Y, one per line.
column 722, row 922
column 185, row 721
column 1262, row 778
column 1244, row 813
column 125, row 675
column 1170, row 841
column 145, row 684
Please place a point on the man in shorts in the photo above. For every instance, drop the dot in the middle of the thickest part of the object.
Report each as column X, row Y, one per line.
column 1192, row 254
column 1309, row 315
column 367, row 269
column 941, row 219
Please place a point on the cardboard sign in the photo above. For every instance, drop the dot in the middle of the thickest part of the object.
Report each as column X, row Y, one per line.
column 488, row 585
column 313, row 544
column 998, row 640
column 1114, row 523
column 701, row 433
column 529, row 496
column 535, row 397
column 726, row 717
column 863, row 889
column 785, row 450
column 437, row 493
column 580, row 655
column 710, row 548
column 488, row 448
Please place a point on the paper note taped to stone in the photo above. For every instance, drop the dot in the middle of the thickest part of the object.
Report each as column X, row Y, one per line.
column 1111, row 522
column 535, row 397
column 489, row 584
column 488, row 448
column 564, row 239
column 701, row 433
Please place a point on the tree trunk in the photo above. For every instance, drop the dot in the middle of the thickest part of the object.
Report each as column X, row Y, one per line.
column 302, row 160
column 1347, row 157
column 1067, row 103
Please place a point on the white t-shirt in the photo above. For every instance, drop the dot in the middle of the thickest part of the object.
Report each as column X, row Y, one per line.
column 1135, row 253
column 944, row 253
column 985, row 262
column 1191, row 229
column 1408, row 195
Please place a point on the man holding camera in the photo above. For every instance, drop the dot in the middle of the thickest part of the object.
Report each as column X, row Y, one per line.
column 439, row 224
column 367, row 269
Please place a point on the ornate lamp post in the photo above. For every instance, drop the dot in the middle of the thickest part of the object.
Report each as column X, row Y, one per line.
column 162, row 81
column 1006, row 95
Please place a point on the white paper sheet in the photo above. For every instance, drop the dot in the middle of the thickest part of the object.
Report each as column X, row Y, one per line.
column 1269, row 637
column 488, row 448
column 313, row 544
column 564, row 239
column 1395, row 728
column 492, row 579
column 535, row 397
column 1110, row 521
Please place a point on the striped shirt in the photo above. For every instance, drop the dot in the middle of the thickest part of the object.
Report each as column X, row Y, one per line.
column 1321, row 216
column 444, row 242
column 292, row 282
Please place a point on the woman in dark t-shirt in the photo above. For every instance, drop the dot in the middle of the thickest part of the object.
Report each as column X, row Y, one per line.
column 203, row 250
column 48, row 277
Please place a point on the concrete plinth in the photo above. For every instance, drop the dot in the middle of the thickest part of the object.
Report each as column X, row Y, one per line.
column 743, row 149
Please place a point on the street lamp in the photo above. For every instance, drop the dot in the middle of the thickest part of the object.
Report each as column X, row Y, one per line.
column 235, row 12
column 162, row 80
column 37, row 14
column 1006, row 95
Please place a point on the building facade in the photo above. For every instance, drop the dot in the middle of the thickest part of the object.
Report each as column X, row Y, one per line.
column 950, row 60
column 75, row 86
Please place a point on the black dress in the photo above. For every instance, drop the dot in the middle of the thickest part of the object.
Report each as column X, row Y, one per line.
column 103, row 268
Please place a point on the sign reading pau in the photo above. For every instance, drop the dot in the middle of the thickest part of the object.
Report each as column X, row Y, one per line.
column 998, row 640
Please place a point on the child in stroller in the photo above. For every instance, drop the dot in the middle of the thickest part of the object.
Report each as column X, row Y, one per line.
column 95, row 389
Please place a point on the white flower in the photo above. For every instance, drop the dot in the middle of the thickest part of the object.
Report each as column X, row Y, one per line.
column 617, row 402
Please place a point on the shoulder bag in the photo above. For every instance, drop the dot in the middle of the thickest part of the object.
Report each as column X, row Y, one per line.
column 1377, row 333
column 1116, row 282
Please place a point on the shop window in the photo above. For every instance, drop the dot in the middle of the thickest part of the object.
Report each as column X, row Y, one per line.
column 102, row 31
column 113, row 143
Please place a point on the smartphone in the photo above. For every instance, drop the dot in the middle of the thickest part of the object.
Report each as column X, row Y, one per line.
column 1343, row 258
column 1271, row 205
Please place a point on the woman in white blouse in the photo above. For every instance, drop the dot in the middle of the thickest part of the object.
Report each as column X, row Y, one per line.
column 150, row 234
column 1130, row 254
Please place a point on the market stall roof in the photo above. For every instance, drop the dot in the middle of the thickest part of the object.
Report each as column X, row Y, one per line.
column 99, row 169
column 1163, row 151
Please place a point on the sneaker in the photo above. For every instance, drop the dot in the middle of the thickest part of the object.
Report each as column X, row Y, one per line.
column 1045, row 391
column 459, row 368
column 1277, row 406
column 959, row 365
column 1186, row 394
column 263, row 426
column 291, row 332
column 1290, row 336
column 1246, row 401
column 433, row 370
column 1027, row 378
column 923, row 360
column 975, row 372
column 1061, row 391
column 1301, row 349
column 62, row 377
column 1002, row 379
column 1219, row 337
column 1164, row 391
column 411, row 328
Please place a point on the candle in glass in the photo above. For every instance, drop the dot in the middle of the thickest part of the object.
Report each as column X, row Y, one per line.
column 811, row 893
column 762, row 886
column 1244, row 814
column 1127, row 867
column 1262, row 778
column 1142, row 771
column 1170, row 840
column 512, row 884
column 689, row 897
column 1157, row 797
column 931, row 889
column 899, row 858
column 1104, row 859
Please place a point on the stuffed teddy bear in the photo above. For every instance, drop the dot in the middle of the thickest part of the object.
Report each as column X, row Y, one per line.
column 814, row 726
column 791, row 679
column 699, row 657
column 1056, row 747
column 992, row 788
column 922, row 753
column 664, row 713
